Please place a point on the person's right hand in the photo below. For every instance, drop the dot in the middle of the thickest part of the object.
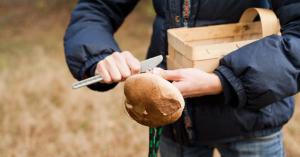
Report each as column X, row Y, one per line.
column 117, row 67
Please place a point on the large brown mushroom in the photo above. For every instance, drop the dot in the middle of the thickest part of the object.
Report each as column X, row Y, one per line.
column 152, row 101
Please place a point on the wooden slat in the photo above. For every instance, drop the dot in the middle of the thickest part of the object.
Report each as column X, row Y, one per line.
column 213, row 51
column 177, row 43
column 244, row 43
column 207, row 65
column 171, row 64
column 182, row 60
column 210, row 41
column 171, row 51
column 216, row 31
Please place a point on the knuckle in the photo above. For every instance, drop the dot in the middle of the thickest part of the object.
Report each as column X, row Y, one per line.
column 99, row 68
column 101, row 63
column 117, row 78
column 109, row 58
column 109, row 61
column 136, row 69
column 116, row 55
column 106, row 60
column 126, row 74
column 126, row 52
column 107, row 80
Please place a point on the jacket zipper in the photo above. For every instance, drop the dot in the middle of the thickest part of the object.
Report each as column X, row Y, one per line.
column 186, row 11
column 188, row 125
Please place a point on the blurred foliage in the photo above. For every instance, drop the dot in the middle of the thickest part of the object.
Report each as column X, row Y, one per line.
column 40, row 3
column 40, row 115
column 50, row 5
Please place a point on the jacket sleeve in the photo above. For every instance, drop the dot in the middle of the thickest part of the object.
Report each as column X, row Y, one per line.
column 268, row 70
column 89, row 36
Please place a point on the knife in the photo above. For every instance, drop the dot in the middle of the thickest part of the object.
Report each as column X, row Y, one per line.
column 146, row 65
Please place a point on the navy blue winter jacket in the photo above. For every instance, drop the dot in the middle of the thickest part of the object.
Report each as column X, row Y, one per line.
column 258, row 79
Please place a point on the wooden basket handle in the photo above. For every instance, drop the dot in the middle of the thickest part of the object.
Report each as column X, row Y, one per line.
column 269, row 22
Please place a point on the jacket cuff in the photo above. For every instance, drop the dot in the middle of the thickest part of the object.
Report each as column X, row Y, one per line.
column 229, row 94
column 89, row 68
column 231, row 81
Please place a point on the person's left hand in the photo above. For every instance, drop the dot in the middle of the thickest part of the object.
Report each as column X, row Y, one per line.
column 192, row 82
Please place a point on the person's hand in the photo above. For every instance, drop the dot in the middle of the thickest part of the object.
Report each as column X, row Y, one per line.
column 117, row 67
column 192, row 82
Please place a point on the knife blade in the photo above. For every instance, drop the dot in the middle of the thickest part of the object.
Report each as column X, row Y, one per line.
column 146, row 65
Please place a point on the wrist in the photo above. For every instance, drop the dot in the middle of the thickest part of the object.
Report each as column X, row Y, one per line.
column 215, row 85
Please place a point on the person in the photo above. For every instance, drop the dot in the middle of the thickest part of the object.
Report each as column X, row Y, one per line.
column 239, row 109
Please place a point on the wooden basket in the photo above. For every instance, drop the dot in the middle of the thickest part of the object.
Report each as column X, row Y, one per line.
column 203, row 47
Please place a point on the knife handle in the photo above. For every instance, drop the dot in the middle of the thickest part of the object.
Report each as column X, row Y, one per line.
column 87, row 82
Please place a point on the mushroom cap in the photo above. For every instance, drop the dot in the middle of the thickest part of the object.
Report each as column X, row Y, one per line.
column 152, row 100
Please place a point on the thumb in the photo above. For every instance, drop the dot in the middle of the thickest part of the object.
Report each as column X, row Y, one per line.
column 171, row 75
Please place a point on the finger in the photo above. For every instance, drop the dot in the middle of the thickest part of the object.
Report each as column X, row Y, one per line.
column 171, row 75
column 112, row 69
column 122, row 65
column 185, row 91
column 133, row 63
column 101, row 70
column 180, row 86
column 157, row 71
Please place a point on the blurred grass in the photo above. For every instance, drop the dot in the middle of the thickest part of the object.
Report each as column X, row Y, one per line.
column 39, row 113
